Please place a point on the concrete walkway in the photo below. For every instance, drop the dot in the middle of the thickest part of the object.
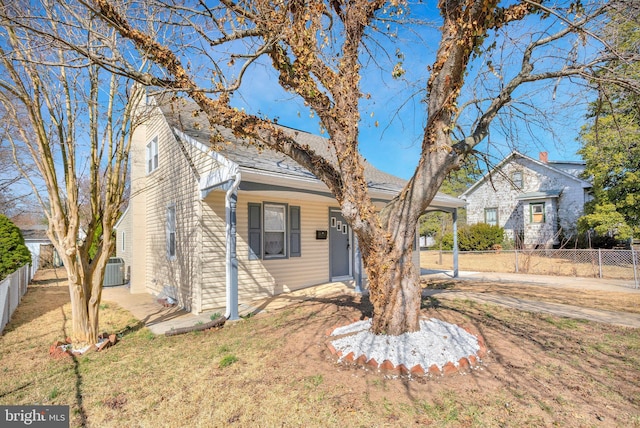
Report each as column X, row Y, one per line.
column 160, row 319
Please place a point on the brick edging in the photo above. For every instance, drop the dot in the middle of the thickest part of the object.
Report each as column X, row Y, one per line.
column 463, row 365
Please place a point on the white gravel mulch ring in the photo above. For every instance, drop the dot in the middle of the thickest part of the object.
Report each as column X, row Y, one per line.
column 438, row 344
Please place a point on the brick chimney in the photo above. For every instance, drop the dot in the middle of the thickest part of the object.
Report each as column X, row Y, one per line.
column 544, row 157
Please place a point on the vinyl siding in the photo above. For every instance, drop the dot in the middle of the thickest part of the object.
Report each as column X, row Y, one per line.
column 137, row 211
column 213, row 251
column 174, row 183
column 261, row 278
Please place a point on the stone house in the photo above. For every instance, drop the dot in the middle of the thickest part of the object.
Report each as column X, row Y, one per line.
column 537, row 202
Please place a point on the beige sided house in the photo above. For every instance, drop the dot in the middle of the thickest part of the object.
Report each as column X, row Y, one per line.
column 214, row 227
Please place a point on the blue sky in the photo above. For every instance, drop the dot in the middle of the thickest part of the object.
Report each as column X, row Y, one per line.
column 393, row 119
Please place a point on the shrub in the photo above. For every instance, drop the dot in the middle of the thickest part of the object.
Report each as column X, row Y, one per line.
column 13, row 252
column 480, row 237
column 476, row 237
column 447, row 241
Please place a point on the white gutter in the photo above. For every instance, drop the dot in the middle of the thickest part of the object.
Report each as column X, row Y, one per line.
column 231, row 199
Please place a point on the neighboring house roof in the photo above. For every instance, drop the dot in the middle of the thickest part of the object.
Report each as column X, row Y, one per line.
column 186, row 118
column 38, row 234
column 545, row 194
column 547, row 165
column 117, row 225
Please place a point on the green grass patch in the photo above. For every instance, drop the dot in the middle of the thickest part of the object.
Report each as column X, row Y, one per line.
column 444, row 410
column 54, row 393
column 313, row 381
column 227, row 360
column 564, row 323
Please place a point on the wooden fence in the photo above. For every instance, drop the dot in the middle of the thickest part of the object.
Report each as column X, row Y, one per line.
column 12, row 288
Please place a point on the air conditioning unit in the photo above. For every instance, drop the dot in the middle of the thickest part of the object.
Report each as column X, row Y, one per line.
column 114, row 272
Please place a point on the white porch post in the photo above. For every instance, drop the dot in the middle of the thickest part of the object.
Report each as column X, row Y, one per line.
column 357, row 266
column 455, row 242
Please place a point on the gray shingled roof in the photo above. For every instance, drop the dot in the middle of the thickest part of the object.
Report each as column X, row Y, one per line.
column 36, row 234
column 187, row 117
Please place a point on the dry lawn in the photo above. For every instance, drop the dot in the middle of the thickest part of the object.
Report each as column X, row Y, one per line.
column 527, row 263
column 604, row 300
column 275, row 370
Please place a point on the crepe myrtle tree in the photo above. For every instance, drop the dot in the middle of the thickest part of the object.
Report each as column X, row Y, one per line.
column 488, row 53
column 75, row 121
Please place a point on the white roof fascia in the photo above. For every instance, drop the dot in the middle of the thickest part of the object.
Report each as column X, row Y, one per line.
column 122, row 217
column 302, row 183
column 267, row 177
column 219, row 178
column 443, row 200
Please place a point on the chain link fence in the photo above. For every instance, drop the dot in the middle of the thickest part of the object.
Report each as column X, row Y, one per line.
column 598, row 263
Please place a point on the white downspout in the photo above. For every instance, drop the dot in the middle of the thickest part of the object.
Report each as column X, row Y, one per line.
column 231, row 259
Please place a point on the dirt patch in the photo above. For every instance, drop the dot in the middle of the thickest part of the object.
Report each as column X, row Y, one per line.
column 54, row 277
column 539, row 371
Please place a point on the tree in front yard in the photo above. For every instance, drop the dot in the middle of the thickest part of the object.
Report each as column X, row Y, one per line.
column 75, row 121
column 607, row 223
column 611, row 143
column 487, row 55
column 13, row 252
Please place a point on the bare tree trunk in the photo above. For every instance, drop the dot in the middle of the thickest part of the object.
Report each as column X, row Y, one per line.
column 84, row 328
column 395, row 295
column 84, row 323
column 393, row 280
column 85, row 291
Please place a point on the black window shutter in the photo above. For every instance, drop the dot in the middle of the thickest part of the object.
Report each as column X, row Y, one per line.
column 295, row 249
column 255, row 232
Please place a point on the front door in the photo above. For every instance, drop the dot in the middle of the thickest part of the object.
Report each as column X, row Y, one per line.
column 339, row 246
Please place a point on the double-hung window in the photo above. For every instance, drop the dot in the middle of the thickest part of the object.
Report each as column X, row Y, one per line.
column 171, row 231
column 275, row 228
column 537, row 212
column 152, row 155
column 274, row 231
column 491, row 216
column 516, row 179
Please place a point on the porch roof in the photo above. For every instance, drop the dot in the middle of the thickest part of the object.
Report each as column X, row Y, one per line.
column 543, row 194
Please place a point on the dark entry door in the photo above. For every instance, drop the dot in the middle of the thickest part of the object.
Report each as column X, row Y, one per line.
column 339, row 246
